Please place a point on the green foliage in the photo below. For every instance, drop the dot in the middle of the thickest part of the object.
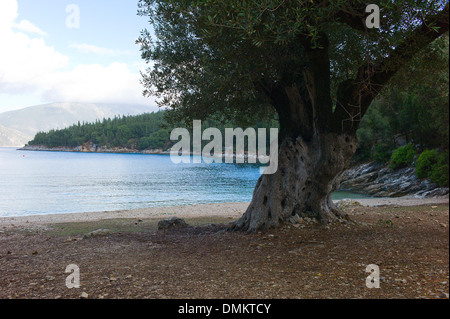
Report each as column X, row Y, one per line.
column 414, row 108
column 434, row 165
column 402, row 157
column 418, row 97
column 439, row 171
column 425, row 162
column 141, row 132
column 155, row 140
column 382, row 152
column 126, row 131
column 412, row 116
column 375, row 134
column 224, row 57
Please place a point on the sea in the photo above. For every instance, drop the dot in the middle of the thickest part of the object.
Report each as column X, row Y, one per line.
column 42, row 182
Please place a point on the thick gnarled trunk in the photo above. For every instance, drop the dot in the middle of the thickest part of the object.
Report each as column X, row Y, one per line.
column 306, row 177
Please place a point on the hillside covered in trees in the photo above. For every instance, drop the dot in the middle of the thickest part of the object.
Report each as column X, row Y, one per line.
column 146, row 131
column 409, row 123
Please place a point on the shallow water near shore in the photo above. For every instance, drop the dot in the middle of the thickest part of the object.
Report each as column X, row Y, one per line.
column 37, row 183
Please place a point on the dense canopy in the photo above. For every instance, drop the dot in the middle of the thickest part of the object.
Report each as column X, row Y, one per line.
column 229, row 56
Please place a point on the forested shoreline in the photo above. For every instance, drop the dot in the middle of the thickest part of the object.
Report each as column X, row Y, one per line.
column 148, row 130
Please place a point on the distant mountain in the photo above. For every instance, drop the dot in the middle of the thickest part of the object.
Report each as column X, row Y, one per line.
column 18, row 127
column 10, row 137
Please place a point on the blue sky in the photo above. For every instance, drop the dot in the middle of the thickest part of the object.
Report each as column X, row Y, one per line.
column 45, row 58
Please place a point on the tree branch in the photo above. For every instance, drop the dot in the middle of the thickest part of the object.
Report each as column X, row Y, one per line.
column 353, row 16
column 355, row 96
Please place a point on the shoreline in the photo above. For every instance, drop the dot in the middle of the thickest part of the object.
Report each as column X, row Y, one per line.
column 121, row 150
column 225, row 210
column 233, row 210
column 94, row 149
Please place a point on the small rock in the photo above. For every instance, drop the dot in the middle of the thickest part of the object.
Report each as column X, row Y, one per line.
column 84, row 295
column 294, row 219
column 344, row 203
column 171, row 223
column 97, row 233
column 443, row 225
column 49, row 278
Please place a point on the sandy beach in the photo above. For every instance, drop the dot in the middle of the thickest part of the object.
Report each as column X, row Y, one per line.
column 226, row 210
column 191, row 211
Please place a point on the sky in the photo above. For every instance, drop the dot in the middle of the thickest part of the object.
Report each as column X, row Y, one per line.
column 70, row 51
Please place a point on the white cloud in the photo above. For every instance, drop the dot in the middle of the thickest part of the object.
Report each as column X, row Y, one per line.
column 28, row 65
column 28, row 27
column 8, row 13
column 95, row 83
column 89, row 48
column 24, row 60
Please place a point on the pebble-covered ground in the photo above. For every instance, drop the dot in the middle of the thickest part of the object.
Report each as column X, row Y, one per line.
column 132, row 259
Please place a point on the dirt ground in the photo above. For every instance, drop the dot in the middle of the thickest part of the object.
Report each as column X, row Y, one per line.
column 135, row 260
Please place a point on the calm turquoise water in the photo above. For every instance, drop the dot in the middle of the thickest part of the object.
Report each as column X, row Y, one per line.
column 59, row 182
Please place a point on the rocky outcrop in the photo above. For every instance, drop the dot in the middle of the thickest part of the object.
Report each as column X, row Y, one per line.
column 379, row 181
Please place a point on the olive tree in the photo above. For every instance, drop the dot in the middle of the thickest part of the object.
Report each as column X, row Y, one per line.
column 316, row 64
